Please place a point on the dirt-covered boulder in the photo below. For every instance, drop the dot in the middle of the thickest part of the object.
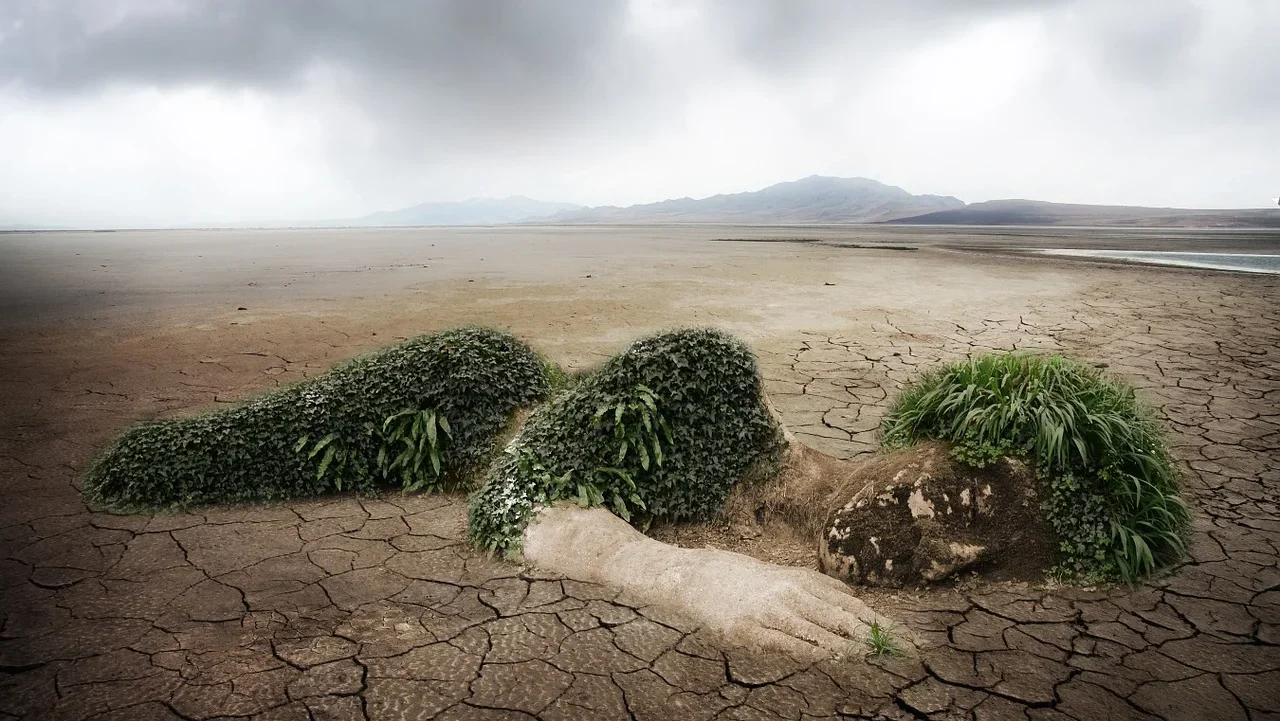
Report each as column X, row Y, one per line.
column 920, row 516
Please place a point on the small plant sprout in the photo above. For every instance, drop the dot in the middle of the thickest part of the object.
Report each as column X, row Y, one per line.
column 880, row 642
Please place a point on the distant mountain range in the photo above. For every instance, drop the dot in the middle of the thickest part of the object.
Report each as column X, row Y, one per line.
column 477, row 211
column 815, row 199
column 1036, row 212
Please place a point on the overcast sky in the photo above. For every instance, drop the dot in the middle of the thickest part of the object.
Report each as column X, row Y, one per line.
column 173, row 111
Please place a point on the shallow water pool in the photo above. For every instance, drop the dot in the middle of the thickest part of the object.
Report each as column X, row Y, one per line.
column 1242, row 262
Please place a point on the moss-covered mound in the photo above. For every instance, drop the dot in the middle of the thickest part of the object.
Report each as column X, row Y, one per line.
column 1110, row 486
column 472, row 378
column 662, row 430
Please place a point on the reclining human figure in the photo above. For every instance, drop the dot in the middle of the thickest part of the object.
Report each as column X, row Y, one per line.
column 686, row 422
column 1007, row 464
column 667, row 428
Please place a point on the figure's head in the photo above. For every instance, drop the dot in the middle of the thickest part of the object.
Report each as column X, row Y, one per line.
column 661, row 430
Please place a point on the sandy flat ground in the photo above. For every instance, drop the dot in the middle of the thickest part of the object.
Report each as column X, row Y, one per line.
column 205, row 611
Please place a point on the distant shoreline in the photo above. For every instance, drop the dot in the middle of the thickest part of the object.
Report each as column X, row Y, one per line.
column 895, row 224
column 1263, row 263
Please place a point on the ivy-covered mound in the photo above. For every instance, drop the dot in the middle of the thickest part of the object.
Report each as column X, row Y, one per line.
column 414, row 412
column 661, row 431
column 1110, row 489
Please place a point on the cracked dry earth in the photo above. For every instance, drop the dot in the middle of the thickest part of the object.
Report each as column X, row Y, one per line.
column 346, row 608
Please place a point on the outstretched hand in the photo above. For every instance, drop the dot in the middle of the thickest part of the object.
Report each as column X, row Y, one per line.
column 745, row 600
column 796, row 610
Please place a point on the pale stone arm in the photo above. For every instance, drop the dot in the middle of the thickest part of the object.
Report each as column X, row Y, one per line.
column 747, row 601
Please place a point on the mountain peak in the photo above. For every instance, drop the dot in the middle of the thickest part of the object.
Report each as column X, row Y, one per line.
column 813, row 199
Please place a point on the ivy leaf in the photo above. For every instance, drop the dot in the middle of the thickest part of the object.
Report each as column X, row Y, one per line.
column 324, row 462
column 620, row 508
column 430, row 426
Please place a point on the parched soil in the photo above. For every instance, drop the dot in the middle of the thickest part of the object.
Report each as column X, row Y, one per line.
column 344, row 608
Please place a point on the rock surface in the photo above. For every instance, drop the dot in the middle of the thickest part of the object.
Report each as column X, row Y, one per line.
column 922, row 517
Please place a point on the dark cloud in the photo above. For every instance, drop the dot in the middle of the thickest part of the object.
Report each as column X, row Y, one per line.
column 1212, row 61
column 454, row 69
column 442, row 76
column 66, row 46
column 1148, row 48
column 780, row 35
column 529, row 54
column 405, row 89
column 445, row 68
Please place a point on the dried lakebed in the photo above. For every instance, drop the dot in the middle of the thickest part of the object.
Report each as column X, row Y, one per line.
column 375, row 608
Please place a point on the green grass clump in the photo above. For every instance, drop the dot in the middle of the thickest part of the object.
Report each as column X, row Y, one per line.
column 408, row 414
column 1112, row 490
column 880, row 641
column 661, row 431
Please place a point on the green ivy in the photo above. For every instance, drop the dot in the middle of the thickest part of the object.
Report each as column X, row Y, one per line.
column 661, row 431
column 1077, row 509
column 475, row 377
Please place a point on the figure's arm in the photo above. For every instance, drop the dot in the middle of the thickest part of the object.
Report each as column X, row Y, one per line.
column 747, row 601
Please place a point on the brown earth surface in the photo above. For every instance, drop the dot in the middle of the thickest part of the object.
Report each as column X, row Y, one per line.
column 354, row 608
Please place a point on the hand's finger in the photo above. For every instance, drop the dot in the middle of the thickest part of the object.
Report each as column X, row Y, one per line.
column 807, row 630
column 834, row 584
column 831, row 617
column 836, row 591
column 778, row 641
column 848, row 602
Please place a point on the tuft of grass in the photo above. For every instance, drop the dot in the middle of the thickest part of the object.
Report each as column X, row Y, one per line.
column 1112, row 486
column 557, row 377
column 880, row 642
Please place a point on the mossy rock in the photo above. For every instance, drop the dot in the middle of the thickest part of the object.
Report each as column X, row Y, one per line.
column 919, row 516
column 1108, row 481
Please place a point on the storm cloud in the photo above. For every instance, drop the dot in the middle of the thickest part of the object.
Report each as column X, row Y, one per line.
column 203, row 109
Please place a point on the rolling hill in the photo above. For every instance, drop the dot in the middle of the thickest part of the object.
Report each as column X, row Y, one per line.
column 815, row 199
column 1035, row 212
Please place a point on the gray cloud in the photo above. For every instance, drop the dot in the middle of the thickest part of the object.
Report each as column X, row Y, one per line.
column 66, row 46
column 1147, row 48
column 455, row 61
column 445, row 85
column 458, row 76
column 465, row 67
column 779, row 36
column 1211, row 61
